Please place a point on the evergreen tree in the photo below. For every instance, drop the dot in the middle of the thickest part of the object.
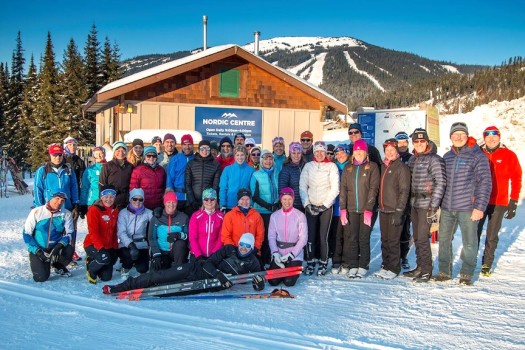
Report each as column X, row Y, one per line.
column 47, row 124
column 4, row 86
column 110, row 65
column 73, row 94
column 13, row 110
column 92, row 74
column 29, row 103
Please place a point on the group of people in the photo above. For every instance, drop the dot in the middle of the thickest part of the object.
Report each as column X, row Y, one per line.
column 183, row 215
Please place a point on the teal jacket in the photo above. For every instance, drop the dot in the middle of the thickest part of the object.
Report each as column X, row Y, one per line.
column 263, row 185
column 89, row 192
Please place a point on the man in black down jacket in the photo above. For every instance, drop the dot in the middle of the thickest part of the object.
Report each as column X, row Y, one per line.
column 201, row 172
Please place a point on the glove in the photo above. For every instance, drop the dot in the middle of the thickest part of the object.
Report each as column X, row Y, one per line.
column 55, row 253
column 173, row 236
column 223, row 209
column 133, row 251
column 277, row 260
column 321, row 208
column 367, row 218
column 157, row 212
column 344, row 217
column 74, row 212
column 82, row 211
column 156, row 263
column 397, row 218
column 511, row 209
column 432, row 217
column 311, row 209
column 258, row 283
column 225, row 282
column 287, row 258
column 41, row 255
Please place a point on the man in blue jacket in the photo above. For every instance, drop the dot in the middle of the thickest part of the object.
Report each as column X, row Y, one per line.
column 466, row 197
column 175, row 173
column 47, row 233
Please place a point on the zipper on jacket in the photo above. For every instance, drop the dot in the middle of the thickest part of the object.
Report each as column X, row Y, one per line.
column 357, row 189
column 381, row 188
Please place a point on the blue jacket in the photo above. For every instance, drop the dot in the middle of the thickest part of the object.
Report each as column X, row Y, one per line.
column 233, row 178
column 340, row 167
column 176, row 170
column 278, row 162
column 289, row 177
column 44, row 229
column 48, row 181
column 469, row 181
column 89, row 192
column 264, row 189
column 159, row 228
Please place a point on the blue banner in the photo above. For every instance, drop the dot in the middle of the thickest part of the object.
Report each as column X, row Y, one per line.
column 368, row 124
column 215, row 123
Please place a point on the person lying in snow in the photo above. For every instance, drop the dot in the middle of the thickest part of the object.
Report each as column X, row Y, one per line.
column 227, row 260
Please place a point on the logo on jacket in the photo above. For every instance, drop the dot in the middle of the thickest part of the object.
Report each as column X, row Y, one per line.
column 499, row 161
column 105, row 217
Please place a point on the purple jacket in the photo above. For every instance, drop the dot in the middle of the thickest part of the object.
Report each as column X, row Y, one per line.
column 205, row 232
column 288, row 232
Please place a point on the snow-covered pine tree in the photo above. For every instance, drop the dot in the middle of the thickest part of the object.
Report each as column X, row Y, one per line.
column 73, row 93
column 29, row 103
column 47, row 127
column 92, row 73
column 110, row 63
column 4, row 86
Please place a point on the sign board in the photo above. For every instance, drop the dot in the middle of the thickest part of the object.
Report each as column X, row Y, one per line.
column 380, row 126
column 214, row 123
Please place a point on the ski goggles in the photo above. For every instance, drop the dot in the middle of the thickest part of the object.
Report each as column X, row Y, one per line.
column 108, row 192
column 245, row 245
column 490, row 133
column 401, row 136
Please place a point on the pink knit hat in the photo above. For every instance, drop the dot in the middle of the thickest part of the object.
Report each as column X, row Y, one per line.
column 170, row 197
column 360, row 145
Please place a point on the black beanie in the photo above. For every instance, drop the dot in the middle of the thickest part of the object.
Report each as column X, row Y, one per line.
column 226, row 139
column 205, row 143
column 244, row 192
column 138, row 142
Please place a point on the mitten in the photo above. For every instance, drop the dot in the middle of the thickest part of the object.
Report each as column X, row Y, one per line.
column 287, row 258
column 511, row 209
column 258, row 283
column 225, row 282
column 277, row 260
column 54, row 255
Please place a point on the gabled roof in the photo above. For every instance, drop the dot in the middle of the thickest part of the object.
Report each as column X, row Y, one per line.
column 106, row 96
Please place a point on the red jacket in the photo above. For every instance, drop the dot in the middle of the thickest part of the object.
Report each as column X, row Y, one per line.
column 102, row 227
column 236, row 224
column 152, row 181
column 224, row 162
column 504, row 167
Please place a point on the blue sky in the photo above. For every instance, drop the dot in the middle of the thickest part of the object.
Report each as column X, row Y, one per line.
column 470, row 32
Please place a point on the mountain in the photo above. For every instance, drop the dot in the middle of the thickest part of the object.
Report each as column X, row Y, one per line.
column 347, row 68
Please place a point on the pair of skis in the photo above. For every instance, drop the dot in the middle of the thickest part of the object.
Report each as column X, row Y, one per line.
column 184, row 287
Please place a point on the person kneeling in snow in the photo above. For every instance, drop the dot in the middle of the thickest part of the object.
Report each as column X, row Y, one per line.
column 227, row 260
column 47, row 234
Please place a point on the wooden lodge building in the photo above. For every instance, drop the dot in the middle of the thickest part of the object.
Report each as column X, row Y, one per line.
column 217, row 92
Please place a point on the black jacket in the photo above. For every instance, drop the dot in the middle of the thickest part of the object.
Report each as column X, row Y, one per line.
column 200, row 174
column 363, row 178
column 119, row 176
column 394, row 189
column 228, row 261
column 77, row 165
column 289, row 177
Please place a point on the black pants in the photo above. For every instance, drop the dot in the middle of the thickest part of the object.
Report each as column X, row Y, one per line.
column 390, row 250
column 404, row 242
column 495, row 215
column 42, row 270
column 359, row 241
column 266, row 255
column 288, row 281
column 318, row 227
column 342, row 244
column 178, row 254
column 421, row 229
column 141, row 264
column 191, row 271
column 335, row 227
column 100, row 262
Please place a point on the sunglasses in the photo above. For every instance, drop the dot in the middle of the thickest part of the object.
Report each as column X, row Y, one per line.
column 249, row 146
column 354, row 132
column 287, row 194
column 256, row 154
column 151, row 156
column 209, row 199
column 245, row 245
column 330, row 153
column 418, row 141
column 226, row 146
column 306, row 140
column 204, row 148
column 137, row 199
column 390, row 143
column 278, row 140
column 57, row 155
column 491, row 133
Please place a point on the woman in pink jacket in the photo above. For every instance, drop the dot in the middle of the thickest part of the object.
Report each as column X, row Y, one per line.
column 205, row 227
column 287, row 236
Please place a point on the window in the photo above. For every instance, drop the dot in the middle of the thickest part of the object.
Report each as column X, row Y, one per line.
column 229, row 83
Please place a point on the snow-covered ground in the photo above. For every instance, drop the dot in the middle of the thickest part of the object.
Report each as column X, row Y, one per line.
column 331, row 312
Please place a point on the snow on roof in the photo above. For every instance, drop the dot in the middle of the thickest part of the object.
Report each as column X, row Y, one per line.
column 147, row 135
column 181, row 61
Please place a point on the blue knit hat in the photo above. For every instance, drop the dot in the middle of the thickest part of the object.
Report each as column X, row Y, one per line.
column 136, row 192
column 118, row 145
column 150, row 149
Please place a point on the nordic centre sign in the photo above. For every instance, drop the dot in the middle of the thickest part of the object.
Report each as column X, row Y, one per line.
column 215, row 123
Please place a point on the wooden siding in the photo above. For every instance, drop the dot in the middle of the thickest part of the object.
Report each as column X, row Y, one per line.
column 258, row 88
